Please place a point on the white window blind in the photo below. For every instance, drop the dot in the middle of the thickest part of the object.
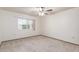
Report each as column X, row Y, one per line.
column 24, row 23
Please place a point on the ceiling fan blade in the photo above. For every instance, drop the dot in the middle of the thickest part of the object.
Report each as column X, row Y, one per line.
column 50, row 10
column 46, row 13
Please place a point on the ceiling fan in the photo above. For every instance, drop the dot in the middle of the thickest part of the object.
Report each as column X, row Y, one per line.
column 45, row 11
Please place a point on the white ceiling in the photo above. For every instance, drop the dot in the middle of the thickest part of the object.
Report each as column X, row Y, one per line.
column 32, row 11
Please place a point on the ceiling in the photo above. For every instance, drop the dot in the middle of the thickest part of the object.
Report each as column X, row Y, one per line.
column 32, row 11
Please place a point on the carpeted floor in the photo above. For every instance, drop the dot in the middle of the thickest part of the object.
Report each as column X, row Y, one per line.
column 37, row 44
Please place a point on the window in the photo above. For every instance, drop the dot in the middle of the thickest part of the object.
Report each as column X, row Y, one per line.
column 25, row 24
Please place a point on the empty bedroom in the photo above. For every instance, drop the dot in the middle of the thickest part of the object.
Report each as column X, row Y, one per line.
column 39, row 29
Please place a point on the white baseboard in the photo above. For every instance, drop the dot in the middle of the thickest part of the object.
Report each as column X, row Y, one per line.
column 19, row 38
column 60, row 40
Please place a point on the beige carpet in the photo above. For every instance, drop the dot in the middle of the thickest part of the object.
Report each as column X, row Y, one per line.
column 37, row 44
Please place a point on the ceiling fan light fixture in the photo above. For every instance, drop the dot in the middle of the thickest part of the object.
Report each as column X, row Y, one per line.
column 41, row 14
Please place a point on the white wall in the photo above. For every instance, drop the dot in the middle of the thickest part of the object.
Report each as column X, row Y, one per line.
column 9, row 26
column 1, row 28
column 0, row 31
column 63, row 26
